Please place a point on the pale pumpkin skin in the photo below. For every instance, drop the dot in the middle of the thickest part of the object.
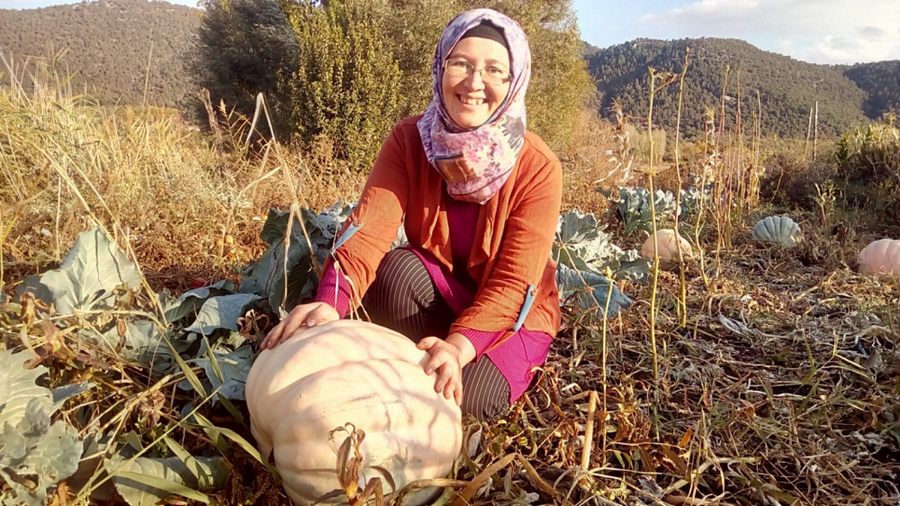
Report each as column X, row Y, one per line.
column 781, row 230
column 880, row 257
column 666, row 244
column 350, row 371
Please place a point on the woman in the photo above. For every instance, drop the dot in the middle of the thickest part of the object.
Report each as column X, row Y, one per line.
column 479, row 199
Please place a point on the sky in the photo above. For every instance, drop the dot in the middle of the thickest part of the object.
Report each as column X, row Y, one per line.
column 817, row 31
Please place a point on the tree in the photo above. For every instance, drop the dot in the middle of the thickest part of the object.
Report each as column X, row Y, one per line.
column 246, row 47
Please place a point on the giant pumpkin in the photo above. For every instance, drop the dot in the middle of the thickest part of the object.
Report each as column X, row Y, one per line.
column 341, row 372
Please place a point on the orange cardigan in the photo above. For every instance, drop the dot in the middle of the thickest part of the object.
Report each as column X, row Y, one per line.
column 516, row 228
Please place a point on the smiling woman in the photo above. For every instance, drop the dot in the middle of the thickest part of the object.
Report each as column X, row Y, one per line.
column 478, row 197
column 476, row 78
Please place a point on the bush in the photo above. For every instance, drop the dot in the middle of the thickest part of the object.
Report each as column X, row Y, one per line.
column 347, row 82
column 870, row 154
column 640, row 140
column 869, row 163
column 790, row 178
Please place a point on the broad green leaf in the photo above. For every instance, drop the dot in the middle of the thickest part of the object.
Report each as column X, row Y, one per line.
column 590, row 290
column 222, row 312
column 285, row 275
column 632, row 266
column 190, row 302
column 226, row 369
column 87, row 277
column 18, row 386
column 323, row 228
column 141, row 341
column 267, row 275
column 35, row 449
column 13, row 444
column 582, row 245
column 633, row 208
column 275, row 226
column 61, row 394
column 55, row 454
column 146, row 481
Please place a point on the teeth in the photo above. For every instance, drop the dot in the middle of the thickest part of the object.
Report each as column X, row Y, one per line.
column 472, row 101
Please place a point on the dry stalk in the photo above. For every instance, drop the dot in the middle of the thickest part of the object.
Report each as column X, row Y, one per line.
column 588, row 445
column 682, row 307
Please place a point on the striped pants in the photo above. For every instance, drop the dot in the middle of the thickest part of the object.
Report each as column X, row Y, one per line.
column 404, row 298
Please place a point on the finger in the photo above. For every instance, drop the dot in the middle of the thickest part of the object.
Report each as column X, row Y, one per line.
column 272, row 337
column 294, row 323
column 449, row 390
column 312, row 319
column 444, row 379
column 458, row 393
column 435, row 363
column 427, row 342
column 450, row 385
column 324, row 314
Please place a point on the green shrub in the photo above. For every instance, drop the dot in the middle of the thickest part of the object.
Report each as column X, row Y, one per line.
column 869, row 163
column 347, row 82
column 870, row 154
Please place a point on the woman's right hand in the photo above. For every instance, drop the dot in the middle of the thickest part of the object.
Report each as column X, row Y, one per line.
column 304, row 315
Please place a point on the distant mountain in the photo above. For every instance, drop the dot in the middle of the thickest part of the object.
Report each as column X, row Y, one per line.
column 881, row 82
column 788, row 89
column 109, row 45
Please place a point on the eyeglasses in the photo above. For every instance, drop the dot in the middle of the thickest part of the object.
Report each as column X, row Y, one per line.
column 491, row 74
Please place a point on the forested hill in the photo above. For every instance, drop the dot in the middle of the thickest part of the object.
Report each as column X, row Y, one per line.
column 108, row 45
column 788, row 88
column 881, row 82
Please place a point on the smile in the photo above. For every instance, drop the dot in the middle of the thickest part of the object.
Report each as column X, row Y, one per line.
column 471, row 101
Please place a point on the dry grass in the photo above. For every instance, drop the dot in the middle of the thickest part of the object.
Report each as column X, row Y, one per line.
column 781, row 389
column 589, row 166
column 191, row 205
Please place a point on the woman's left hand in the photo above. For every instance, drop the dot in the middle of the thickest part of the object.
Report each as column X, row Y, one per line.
column 446, row 360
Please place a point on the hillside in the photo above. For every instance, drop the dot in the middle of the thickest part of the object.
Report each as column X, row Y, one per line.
column 881, row 82
column 788, row 88
column 107, row 45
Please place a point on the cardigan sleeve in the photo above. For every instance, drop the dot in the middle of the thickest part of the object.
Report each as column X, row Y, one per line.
column 522, row 256
column 367, row 235
column 334, row 290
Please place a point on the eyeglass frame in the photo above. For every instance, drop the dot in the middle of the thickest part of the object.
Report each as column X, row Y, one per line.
column 471, row 70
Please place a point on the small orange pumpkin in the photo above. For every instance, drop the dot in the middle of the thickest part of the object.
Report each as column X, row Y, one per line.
column 881, row 256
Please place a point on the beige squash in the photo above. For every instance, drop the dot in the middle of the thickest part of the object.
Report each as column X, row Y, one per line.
column 350, row 372
column 881, row 256
column 666, row 244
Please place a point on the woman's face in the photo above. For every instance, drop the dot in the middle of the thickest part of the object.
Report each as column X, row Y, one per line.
column 468, row 99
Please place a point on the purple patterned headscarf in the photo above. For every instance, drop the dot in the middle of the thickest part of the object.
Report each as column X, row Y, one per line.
column 475, row 163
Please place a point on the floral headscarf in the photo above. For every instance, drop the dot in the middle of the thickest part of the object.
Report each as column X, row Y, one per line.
column 475, row 163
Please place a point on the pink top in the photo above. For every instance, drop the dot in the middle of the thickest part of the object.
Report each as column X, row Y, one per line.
column 515, row 358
